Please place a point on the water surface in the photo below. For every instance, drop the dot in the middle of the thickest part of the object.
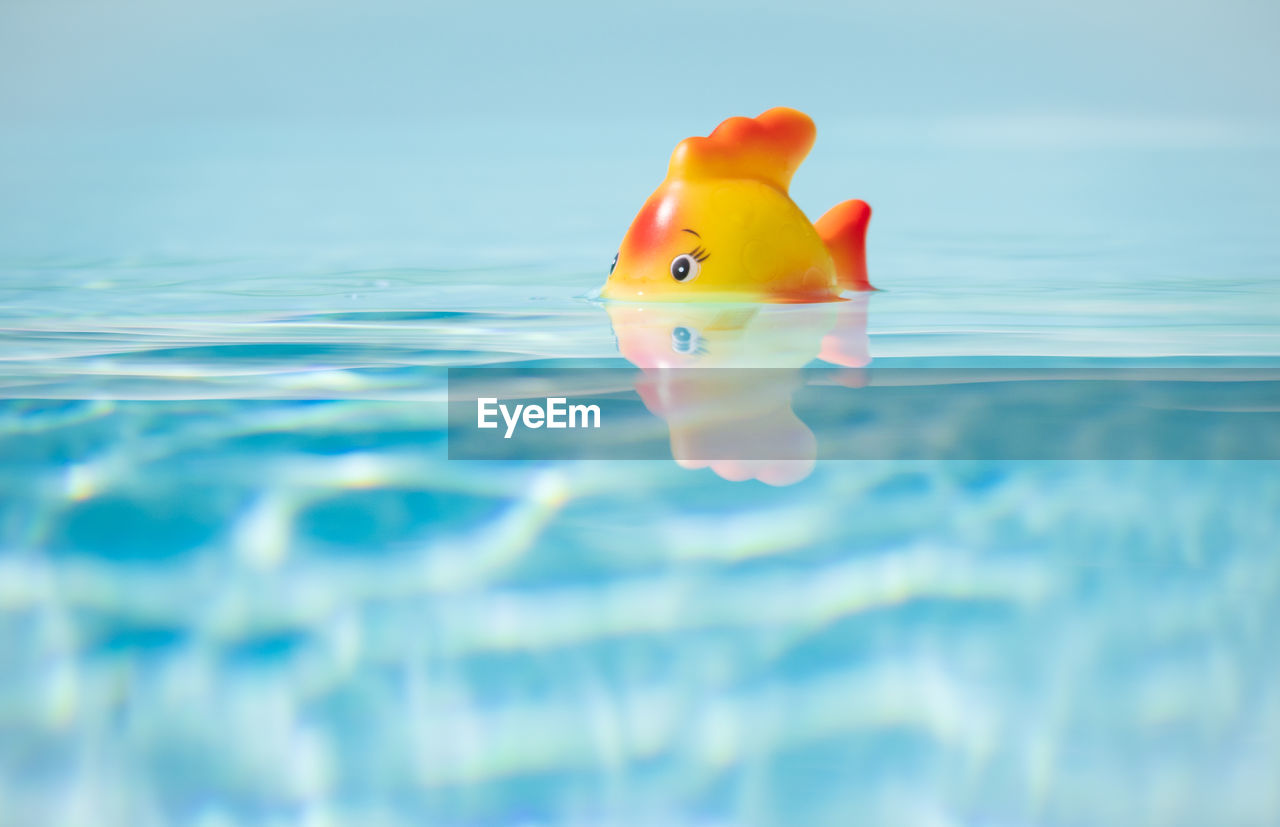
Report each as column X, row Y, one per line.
column 240, row 583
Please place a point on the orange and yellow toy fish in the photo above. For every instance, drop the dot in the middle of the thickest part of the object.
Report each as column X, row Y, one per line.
column 722, row 226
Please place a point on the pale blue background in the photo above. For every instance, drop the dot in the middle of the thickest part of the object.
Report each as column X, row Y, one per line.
column 128, row 62
column 437, row 129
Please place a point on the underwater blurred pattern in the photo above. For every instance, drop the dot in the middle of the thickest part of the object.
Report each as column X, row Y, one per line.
column 241, row 584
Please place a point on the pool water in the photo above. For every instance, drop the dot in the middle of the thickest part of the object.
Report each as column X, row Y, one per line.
column 240, row 583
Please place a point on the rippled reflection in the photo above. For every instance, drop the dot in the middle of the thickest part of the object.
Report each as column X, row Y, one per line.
column 718, row 419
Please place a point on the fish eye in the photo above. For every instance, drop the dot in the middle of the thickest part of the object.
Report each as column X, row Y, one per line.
column 615, row 264
column 684, row 267
column 684, row 340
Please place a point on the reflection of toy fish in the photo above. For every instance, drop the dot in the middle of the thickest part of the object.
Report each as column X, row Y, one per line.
column 709, row 335
column 722, row 226
column 722, row 377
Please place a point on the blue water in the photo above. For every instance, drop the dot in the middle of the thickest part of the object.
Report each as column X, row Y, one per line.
column 240, row 583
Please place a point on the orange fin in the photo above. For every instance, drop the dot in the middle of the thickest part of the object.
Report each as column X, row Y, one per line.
column 844, row 230
column 768, row 148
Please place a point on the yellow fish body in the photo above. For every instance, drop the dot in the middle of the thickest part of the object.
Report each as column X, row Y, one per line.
column 722, row 226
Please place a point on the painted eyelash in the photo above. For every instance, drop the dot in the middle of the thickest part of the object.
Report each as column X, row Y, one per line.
column 699, row 254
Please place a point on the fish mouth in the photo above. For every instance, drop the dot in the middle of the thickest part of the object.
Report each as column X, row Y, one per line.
column 622, row 289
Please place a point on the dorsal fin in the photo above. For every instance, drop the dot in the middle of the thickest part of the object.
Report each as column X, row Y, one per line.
column 768, row 148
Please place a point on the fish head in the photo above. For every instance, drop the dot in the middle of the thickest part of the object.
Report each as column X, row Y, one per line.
column 722, row 226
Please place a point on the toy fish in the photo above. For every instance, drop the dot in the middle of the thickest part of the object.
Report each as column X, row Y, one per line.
column 722, row 226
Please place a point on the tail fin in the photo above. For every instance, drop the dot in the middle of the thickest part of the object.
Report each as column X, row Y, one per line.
column 844, row 230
